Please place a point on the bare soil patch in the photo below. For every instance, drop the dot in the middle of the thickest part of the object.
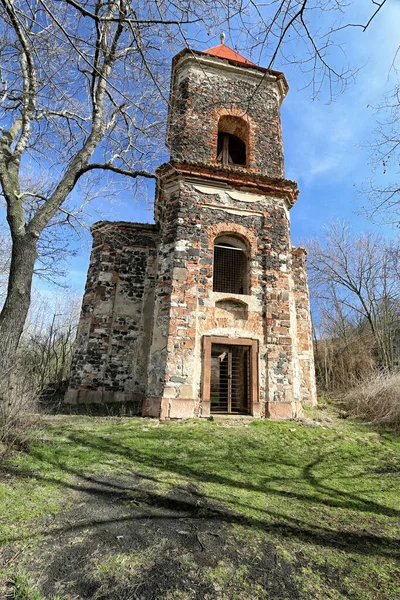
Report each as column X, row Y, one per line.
column 174, row 541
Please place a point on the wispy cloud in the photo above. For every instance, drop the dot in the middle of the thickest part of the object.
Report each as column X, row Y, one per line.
column 325, row 140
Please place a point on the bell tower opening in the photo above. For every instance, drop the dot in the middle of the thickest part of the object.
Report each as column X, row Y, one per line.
column 232, row 141
column 231, row 150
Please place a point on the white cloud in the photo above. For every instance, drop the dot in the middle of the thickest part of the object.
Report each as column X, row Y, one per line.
column 321, row 167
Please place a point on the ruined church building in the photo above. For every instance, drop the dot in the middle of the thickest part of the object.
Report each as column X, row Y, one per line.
column 207, row 310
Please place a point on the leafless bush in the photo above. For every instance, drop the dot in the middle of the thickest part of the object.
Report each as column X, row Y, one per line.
column 344, row 361
column 46, row 347
column 18, row 409
column 377, row 400
column 43, row 363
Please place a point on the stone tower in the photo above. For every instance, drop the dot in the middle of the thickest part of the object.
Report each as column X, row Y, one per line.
column 207, row 311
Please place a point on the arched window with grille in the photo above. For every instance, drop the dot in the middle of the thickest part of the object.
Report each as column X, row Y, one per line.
column 230, row 272
column 232, row 141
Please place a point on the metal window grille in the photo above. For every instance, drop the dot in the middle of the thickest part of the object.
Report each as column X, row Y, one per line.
column 230, row 270
column 230, row 379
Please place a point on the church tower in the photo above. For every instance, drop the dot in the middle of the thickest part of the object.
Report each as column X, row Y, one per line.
column 213, row 317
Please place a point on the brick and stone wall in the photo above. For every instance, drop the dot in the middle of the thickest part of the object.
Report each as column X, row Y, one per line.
column 195, row 211
column 303, row 331
column 149, row 309
column 205, row 88
column 110, row 361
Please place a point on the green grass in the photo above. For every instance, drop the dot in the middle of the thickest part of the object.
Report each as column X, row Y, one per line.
column 116, row 570
column 22, row 589
column 326, row 497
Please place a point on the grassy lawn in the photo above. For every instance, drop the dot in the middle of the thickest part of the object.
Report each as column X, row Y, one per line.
column 114, row 508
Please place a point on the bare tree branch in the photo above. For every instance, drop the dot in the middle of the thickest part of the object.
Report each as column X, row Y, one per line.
column 84, row 90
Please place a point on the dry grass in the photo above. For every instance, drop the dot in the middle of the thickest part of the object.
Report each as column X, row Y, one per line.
column 342, row 364
column 377, row 400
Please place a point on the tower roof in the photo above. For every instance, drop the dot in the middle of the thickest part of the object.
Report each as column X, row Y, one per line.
column 222, row 51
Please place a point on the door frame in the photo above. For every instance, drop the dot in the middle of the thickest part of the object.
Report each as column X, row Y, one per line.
column 254, row 406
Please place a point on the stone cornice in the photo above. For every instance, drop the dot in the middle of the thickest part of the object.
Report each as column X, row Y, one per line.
column 105, row 225
column 235, row 178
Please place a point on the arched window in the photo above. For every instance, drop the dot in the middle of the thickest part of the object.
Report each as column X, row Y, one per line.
column 232, row 141
column 230, row 274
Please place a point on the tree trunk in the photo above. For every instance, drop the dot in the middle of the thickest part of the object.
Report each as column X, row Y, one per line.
column 16, row 306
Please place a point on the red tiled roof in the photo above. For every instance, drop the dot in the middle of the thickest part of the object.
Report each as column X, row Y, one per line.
column 222, row 51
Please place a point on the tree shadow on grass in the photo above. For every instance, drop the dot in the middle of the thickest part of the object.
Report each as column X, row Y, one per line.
column 324, row 495
column 145, row 502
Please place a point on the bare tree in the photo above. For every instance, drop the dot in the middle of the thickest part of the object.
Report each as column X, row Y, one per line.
column 5, row 257
column 65, row 73
column 46, row 346
column 383, row 188
column 344, row 351
column 356, row 288
column 83, row 90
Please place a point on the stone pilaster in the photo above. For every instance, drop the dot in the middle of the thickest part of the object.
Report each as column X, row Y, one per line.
column 303, row 338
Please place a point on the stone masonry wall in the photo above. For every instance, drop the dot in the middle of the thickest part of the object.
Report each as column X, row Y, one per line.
column 187, row 309
column 149, row 305
column 303, row 338
column 110, row 361
column 203, row 92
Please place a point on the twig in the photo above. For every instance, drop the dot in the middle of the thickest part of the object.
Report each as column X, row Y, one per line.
column 200, row 543
column 10, row 560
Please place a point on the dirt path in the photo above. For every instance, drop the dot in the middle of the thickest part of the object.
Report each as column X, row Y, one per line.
column 121, row 539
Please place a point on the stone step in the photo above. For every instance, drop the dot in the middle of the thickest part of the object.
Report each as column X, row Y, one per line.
column 233, row 418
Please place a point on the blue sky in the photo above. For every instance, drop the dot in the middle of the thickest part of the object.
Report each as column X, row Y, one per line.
column 323, row 141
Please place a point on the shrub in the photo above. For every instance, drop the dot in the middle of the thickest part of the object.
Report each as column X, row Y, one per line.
column 18, row 408
column 376, row 400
